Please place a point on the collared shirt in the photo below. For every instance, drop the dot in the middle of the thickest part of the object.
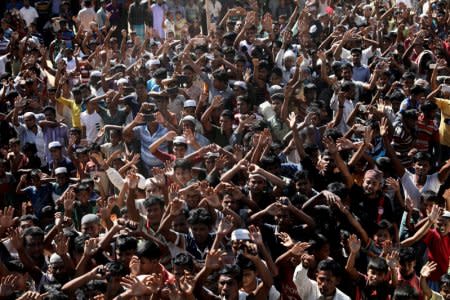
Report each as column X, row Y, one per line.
column 158, row 17
column 146, row 138
column 28, row 136
column 361, row 73
column 308, row 289
column 52, row 134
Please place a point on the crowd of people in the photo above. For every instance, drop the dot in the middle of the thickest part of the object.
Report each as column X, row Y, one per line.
column 220, row 149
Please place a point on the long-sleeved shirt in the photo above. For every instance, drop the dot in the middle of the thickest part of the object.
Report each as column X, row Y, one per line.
column 308, row 289
column 74, row 107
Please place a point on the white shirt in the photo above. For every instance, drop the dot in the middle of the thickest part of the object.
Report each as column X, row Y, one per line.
column 308, row 289
column 342, row 127
column 365, row 56
column 29, row 14
column 93, row 123
column 413, row 192
column 86, row 16
column 3, row 60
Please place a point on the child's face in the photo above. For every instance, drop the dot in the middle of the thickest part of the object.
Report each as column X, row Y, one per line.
column 375, row 277
column 407, row 268
column 443, row 225
column 381, row 236
column 445, row 291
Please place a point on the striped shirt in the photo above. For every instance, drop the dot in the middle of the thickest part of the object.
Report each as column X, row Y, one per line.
column 402, row 142
column 427, row 132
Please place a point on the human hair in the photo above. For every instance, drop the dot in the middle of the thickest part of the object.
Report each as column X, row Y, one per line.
column 407, row 254
column 347, row 86
column 422, row 156
column 15, row 266
column 29, row 217
column 339, row 189
column 153, row 200
column 148, row 249
column 444, row 280
column 183, row 260
column 199, row 216
column 429, row 196
column 378, row 264
column 233, row 271
column 182, row 164
column 330, row 265
column 78, row 243
column 116, row 269
column 405, row 292
column 126, row 242
column 33, row 231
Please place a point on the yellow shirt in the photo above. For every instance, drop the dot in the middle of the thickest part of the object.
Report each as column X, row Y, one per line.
column 75, row 108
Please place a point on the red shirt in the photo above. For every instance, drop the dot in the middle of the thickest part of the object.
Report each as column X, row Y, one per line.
column 438, row 251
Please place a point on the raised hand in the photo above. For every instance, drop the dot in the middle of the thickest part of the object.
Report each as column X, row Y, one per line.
column 135, row 266
column 299, row 248
column 285, row 239
column 393, row 259
column 91, row 247
column 354, row 244
column 428, row 268
column 256, row 235
column 8, row 285
column 137, row 287
column 394, row 184
column 176, row 207
column 213, row 259
column 7, row 217
column 384, row 127
column 61, row 244
column 292, row 120
column 225, row 225
column 132, row 180
column 435, row 213
column 330, row 145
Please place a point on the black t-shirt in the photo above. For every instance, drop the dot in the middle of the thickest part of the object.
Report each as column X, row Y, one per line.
column 370, row 211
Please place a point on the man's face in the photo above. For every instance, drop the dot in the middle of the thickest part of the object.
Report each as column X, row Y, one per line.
column 55, row 153
column 346, row 73
column 228, row 287
column 225, row 123
column 200, row 232
column 92, row 229
column 422, row 167
column 248, row 277
column 256, row 184
column 179, row 150
column 179, row 224
column 370, row 185
column 154, row 214
column 303, row 186
column 149, row 266
column 34, row 246
column 276, row 106
column 326, row 282
column 356, row 58
column 251, row 35
column 30, row 122
column 445, row 291
column 125, row 256
column 183, row 175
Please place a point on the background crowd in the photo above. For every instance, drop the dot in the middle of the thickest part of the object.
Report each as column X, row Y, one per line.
column 224, row 149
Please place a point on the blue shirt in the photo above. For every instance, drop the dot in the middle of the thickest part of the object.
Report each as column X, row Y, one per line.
column 143, row 134
column 361, row 73
column 152, row 86
column 40, row 197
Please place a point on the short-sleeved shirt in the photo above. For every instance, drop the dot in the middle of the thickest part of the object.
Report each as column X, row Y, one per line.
column 143, row 134
column 413, row 192
column 438, row 251
column 40, row 197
